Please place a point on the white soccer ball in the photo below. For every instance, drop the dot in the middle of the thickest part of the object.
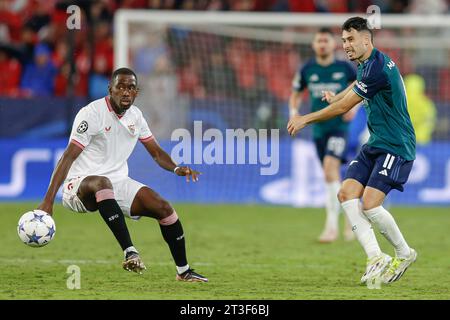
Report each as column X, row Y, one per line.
column 36, row 228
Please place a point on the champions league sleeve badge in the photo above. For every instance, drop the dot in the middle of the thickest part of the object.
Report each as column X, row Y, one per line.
column 82, row 127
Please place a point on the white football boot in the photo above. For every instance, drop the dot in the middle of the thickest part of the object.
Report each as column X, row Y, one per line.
column 376, row 266
column 398, row 267
column 328, row 235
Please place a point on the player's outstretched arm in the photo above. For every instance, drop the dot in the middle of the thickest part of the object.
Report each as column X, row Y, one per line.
column 295, row 102
column 165, row 161
column 298, row 122
column 59, row 174
column 331, row 97
column 351, row 114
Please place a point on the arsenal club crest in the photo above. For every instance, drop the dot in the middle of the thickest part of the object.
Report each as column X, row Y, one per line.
column 131, row 128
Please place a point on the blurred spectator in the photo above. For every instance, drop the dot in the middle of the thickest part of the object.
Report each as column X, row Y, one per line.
column 27, row 22
column 26, row 46
column 38, row 77
column 99, row 80
column 102, row 10
column 102, row 62
column 9, row 75
column 83, row 66
column 104, row 49
column 61, row 80
column 133, row 4
column 276, row 65
column 302, row 6
column 151, row 55
column 216, row 5
column 251, row 5
column 162, row 4
column 335, row 6
column 221, row 80
column 444, row 80
column 395, row 6
column 41, row 15
column 189, row 80
column 421, row 109
column 280, row 5
column 428, row 7
column 60, row 54
column 191, row 5
column 243, row 60
column 12, row 15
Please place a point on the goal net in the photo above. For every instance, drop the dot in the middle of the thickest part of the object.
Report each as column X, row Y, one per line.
column 234, row 70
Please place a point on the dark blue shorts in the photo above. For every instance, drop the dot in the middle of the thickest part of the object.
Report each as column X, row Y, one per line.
column 379, row 169
column 332, row 144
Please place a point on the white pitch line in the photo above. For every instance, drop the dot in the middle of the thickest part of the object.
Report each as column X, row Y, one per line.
column 113, row 262
column 69, row 261
column 51, row 261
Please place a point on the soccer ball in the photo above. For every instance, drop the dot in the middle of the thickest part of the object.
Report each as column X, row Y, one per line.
column 36, row 228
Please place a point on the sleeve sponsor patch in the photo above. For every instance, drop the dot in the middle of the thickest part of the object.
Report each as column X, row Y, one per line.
column 82, row 127
column 362, row 86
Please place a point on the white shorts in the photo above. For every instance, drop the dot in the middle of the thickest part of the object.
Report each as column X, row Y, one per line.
column 124, row 192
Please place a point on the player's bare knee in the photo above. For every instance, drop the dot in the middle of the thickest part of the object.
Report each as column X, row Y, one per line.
column 368, row 204
column 330, row 176
column 165, row 209
column 101, row 183
column 170, row 216
column 344, row 195
column 88, row 189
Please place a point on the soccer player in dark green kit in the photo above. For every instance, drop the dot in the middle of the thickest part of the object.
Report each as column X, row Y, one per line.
column 384, row 163
column 324, row 73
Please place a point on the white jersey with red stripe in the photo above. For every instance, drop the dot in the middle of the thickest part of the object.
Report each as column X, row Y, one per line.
column 107, row 140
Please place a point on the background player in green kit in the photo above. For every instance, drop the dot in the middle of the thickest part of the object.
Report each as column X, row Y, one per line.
column 384, row 163
column 324, row 73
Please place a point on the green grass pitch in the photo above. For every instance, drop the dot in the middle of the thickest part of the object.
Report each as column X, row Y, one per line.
column 248, row 252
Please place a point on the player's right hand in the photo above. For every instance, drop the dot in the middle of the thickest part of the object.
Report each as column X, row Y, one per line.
column 188, row 172
column 46, row 207
column 295, row 124
column 328, row 96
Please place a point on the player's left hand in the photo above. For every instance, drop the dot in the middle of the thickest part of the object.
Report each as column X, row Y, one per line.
column 188, row 172
column 295, row 124
column 328, row 96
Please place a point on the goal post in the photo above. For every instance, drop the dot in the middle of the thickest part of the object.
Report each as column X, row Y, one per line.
column 124, row 17
column 234, row 70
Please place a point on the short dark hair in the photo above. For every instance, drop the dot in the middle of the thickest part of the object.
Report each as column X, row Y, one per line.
column 125, row 71
column 325, row 30
column 359, row 24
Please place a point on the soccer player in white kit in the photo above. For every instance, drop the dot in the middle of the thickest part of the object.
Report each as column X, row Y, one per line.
column 95, row 173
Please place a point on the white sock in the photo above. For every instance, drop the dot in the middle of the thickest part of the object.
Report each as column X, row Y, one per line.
column 180, row 270
column 361, row 227
column 130, row 249
column 385, row 222
column 332, row 205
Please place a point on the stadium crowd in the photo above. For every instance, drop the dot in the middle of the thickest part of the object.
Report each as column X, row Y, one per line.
column 34, row 47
